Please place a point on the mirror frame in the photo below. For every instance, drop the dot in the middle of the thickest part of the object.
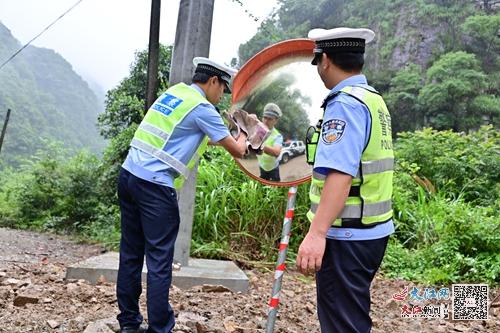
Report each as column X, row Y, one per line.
column 250, row 73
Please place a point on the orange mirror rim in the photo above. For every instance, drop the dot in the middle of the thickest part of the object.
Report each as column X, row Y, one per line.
column 246, row 79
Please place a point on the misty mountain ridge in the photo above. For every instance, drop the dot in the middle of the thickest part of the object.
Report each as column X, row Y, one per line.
column 48, row 99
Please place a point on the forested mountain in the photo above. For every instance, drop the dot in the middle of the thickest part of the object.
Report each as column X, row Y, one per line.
column 49, row 101
column 437, row 62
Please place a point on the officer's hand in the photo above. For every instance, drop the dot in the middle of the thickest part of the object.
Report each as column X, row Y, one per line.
column 311, row 253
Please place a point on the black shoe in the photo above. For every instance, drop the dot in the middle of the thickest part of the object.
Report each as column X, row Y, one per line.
column 134, row 330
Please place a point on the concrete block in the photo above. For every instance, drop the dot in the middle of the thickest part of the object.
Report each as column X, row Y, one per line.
column 198, row 272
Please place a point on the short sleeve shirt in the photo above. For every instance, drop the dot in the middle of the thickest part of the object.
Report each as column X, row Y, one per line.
column 344, row 135
column 185, row 140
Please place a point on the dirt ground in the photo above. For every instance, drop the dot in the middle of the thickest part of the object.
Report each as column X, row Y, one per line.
column 35, row 297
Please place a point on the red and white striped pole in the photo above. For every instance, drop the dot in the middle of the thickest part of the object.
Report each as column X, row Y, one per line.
column 280, row 265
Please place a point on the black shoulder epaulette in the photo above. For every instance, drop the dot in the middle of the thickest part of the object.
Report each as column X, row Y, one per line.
column 328, row 99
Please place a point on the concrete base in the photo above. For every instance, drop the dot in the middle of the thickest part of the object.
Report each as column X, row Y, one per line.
column 198, row 272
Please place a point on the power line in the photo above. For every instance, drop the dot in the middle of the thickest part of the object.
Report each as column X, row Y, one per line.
column 47, row 28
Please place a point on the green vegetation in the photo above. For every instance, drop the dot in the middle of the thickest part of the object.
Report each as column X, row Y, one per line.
column 447, row 188
column 446, row 207
column 436, row 61
column 49, row 101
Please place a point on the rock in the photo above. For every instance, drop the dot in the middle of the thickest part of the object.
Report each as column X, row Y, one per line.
column 392, row 305
column 190, row 319
column 52, row 323
column 231, row 326
column 201, row 328
column 98, row 327
column 459, row 328
column 10, row 282
column 71, row 287
column 101, row 280
column 179, row 328
column 23, row 300
column 310, row 308
column 214, row 289
column 439, row 329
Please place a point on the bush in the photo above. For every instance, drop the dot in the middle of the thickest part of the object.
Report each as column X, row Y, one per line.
column 51, row 192
column 444, row 241
column 237, row 217
column 458, row 164
column 445, row 204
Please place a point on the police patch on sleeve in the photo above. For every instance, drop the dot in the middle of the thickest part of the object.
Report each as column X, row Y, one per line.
column 333, row 131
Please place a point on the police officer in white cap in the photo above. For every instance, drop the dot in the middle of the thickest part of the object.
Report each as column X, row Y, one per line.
column 351, row 189
column 166, row 145
column 268, row 160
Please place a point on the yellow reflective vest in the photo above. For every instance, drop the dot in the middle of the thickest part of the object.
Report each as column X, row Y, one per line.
column 160, row 122
column 268, row 162
column 370, row 197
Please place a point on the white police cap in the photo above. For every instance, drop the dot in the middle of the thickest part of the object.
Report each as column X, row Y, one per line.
column 210, row 67
column 340, row 40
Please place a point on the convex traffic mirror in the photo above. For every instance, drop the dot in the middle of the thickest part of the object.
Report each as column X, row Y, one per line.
column 281, row 75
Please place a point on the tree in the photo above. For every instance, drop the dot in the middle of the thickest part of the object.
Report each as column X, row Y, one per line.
column 402, row 99
column 293, row 19
column 452, row 84
column 124, row 111
column 267, row 34
column 125, row 103
column 483, row 40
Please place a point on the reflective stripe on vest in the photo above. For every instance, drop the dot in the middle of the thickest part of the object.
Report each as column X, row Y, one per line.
column 369, row 200
column 266, row 161
column 159, row 123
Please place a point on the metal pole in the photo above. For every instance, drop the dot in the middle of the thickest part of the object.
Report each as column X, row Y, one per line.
column 153, row 53
column 280, row 264
column 4, row 129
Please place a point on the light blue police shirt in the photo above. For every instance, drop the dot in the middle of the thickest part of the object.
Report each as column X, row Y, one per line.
column 343, row 152
column 185, row 140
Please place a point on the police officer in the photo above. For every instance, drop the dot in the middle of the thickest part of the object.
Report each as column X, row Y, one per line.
column 268, row 160
column 172, row 135
column 351, row 189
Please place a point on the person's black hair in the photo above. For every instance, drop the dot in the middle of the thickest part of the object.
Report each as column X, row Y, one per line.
column 201, row 78
column 348, row 62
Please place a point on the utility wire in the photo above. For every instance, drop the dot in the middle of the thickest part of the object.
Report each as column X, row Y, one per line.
column 47, row 28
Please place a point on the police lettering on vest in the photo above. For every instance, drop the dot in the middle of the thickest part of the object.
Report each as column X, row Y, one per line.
column 370, row 198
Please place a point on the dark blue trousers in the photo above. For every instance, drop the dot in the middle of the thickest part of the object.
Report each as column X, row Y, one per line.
column 343, row 284
column 149, row 226
column 273, row 175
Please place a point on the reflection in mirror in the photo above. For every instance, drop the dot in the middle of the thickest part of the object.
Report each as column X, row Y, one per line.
column 294, row 88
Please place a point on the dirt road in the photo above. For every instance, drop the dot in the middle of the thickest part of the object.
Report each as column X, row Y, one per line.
column 35, row 297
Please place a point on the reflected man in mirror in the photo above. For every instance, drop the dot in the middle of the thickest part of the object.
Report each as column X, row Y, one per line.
column 268, row 160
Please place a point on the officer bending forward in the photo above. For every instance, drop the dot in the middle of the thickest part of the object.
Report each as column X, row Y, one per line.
column 172, row 135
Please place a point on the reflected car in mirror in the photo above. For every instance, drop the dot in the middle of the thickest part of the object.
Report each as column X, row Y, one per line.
column 291, row 149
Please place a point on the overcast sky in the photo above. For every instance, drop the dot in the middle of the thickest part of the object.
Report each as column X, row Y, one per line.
column 99, row 37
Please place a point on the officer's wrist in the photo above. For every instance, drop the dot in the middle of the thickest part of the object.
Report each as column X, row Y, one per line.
column 318, row 231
